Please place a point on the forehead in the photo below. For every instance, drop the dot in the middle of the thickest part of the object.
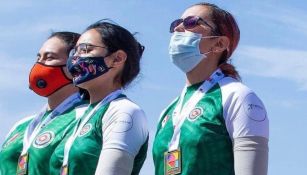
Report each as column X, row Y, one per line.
column 199, row 10
column 91, row 36
column 53, row 44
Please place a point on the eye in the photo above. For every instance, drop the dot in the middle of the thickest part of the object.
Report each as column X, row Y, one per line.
column 82, row 50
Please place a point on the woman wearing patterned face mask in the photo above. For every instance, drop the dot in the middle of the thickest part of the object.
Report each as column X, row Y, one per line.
column 217, row 125
column 31, row 142
column 112, row 136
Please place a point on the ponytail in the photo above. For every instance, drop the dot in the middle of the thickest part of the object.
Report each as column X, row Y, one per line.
column 225, row 25
column 230, row 71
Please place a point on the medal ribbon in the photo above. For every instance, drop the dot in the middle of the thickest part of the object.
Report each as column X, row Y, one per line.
column 78, row 128
column 181, row 112
column 38, row 123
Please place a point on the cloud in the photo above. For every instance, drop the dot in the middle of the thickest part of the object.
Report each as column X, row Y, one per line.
column 274, row 62
column 289, row 17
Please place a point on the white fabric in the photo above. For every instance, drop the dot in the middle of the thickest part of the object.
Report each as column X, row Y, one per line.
column 109, row 98
column 114, row 162
column 181, row 110
column 243, row 111
column 124, row 127
column 251, row 155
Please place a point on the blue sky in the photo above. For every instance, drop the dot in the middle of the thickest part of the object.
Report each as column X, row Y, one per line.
column 271, row 58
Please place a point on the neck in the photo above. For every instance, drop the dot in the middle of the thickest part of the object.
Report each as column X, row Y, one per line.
column 60, row 95
column 98, row 93
column 200, row 73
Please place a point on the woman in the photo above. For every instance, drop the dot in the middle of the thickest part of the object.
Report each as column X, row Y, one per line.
column 217, row 125
column 111, row 138
column 31, row 141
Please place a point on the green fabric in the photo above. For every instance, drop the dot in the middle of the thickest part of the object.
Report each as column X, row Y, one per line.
column 40, row 153
column 206, row 147
column 85, row 151
column 11, row 150
column 42, row 147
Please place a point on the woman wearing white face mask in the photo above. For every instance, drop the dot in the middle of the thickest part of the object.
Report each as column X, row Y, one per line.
column 217, row 125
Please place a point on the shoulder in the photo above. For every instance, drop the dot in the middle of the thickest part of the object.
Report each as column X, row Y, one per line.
column 232, row 88
column 122, row 121
column 125, row 105
column 19, row 123
column 123, row 113
column 235, row 93
column 243, row 111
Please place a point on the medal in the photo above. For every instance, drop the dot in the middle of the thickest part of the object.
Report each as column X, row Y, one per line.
column 64, row 170
column 22, row 167
column 172, row 162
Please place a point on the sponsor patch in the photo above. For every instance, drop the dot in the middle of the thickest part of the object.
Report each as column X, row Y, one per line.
column 254, row 108
column 195, row 113
column 86, row 128
column 122, row 124
column 43, row 139
column 11, row 140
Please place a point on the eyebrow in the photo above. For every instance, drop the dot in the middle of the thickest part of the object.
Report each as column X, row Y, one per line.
column 46, row 53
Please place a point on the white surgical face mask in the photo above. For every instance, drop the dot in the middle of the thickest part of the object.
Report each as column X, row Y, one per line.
column 184, row 50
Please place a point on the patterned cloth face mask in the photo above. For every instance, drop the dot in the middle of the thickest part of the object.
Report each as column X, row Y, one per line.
column 84, row 69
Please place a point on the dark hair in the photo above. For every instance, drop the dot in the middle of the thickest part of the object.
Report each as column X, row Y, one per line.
column 116, row 38
column 70, row 38
column 226, row 25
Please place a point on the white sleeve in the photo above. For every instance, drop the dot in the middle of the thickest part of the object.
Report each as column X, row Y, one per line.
column 248, row 126
column 244, row 113
column 124, row 127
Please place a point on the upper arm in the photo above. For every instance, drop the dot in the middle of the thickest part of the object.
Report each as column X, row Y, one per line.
column 124, row 128
column 244, row 113
column 248, row 126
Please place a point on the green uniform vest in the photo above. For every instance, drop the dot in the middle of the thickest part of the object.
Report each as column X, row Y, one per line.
column 85, row 151
column 205, row 145
column 43, row 145
column 11, row 149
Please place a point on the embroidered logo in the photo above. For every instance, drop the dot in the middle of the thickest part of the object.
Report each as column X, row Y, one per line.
column 86, row 128
column 12, row 139
column 43, row 139
column 195, row 113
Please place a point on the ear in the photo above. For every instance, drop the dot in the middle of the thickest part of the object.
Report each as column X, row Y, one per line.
column 120, row 57
column 221, row 45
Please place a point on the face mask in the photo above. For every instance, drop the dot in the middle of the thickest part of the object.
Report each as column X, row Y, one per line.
column 44, row 80
column 184, row 50
column 86, row 68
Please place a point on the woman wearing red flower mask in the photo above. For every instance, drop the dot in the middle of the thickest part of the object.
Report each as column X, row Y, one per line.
column 31, row 142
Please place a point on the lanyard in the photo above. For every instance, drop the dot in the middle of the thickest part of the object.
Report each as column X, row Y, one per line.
column 78, row 128
column 181, row 112
column 38, row 123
